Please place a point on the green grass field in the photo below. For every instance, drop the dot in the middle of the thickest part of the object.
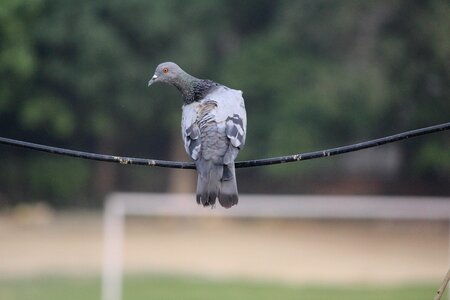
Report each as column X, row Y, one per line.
column 176, row 288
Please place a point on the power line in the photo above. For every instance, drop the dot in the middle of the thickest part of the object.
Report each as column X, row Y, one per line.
column 241, row 164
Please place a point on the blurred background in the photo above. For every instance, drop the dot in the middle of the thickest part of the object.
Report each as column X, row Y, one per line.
column 315, row 75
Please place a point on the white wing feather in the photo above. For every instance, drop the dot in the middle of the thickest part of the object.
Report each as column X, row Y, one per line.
column 231, row 114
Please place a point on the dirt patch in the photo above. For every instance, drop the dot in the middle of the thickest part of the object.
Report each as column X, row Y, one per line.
column 297, row 251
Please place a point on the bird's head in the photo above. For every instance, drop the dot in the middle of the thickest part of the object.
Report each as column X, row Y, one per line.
column 167, row 72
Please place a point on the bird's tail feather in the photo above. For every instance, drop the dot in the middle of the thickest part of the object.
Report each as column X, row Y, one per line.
column 228, row 193
column 208, row 182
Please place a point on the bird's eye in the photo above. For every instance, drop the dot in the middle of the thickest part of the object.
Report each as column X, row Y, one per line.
column 165, row 70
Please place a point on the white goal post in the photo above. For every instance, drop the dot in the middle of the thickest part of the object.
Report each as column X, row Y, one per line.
column 120, row 205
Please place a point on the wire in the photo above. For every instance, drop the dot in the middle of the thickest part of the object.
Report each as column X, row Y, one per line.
column 241, row 164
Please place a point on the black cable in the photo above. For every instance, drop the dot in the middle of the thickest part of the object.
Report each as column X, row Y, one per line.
column 241, row 164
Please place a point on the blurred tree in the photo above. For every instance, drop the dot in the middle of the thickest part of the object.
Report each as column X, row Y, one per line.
column 336, row 72
column 314, row 74
column 311, row 73
column 416, row 54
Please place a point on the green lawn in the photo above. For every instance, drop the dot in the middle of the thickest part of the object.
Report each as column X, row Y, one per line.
column 176, row 288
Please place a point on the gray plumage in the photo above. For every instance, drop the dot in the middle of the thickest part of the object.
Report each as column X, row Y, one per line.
column 213, row 128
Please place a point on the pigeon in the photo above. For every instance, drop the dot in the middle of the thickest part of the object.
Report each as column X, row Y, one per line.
column 213, row 127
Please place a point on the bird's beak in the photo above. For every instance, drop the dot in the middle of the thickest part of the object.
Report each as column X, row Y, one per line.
column 152, row 80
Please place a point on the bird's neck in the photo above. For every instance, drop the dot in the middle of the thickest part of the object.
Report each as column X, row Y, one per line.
column 192, row 88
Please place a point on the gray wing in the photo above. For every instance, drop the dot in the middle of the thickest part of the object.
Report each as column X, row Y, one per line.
column 235, row 131
column 231, row 111
column 190, row 131
column 192, row 141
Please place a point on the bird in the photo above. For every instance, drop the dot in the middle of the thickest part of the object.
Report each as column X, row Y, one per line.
column 213, row 128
